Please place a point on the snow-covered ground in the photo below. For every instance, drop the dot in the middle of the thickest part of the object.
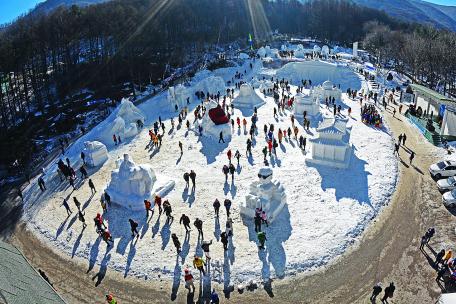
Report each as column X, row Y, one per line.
column 327, row 209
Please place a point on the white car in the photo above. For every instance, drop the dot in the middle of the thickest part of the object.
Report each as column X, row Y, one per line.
column 444, row 168
column 449, row 199
column 447, row 184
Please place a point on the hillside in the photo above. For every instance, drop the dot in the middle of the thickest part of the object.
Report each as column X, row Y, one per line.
column 49, row 5
column 416, row 11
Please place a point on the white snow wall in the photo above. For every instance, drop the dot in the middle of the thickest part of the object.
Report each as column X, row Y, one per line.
column 319, row 72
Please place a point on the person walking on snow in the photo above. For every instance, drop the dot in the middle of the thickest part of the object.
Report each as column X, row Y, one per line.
column 198, row 263
column 180, row 148
column 224, row 240
column 92, row 186
column 148, row 207
column 158, row 203
column 400, row 139
column 237, row 155
column 216, row 206
column 205, row 246
column 226, row 170
column 238, row 121
column 41, row 184
column 261, row 238
column 168, row 210
column 232, row 170
column 214, row 297
column 227, row 204
column 176, row 243
column 257, row 221
column 249, row 147
column 185, row 220
column 193, row 178
column 188, row 278
column 404, row 138
column 199, row 226
column 228, row 154
column 133, row 228
column 221, row 137
column 114, row 138
column 82, row 219
column 186, row 179
column 83, row 171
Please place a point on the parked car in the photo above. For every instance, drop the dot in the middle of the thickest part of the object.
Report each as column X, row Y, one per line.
column 444, row 168
column 449, row 199
column 447, row 184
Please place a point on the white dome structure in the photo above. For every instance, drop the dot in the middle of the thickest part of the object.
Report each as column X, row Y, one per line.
column 307, row 103
column 247, row 98
column 95, row 153
column 131, row 184
column 267, row 194
column 325, row 51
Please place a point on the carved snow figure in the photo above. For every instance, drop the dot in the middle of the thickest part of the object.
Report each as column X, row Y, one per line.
column 327, row 90
column 247, row 98
column 215, row 121
column 178, row 96
column 267, row 194
column 306, row 102
column 331, row 147
column 95, row 153
column 131, row 184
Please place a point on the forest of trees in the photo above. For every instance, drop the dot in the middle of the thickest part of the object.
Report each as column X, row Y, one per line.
column 424, row 53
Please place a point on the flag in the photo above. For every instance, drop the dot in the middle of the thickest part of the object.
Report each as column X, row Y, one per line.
column 251, row 41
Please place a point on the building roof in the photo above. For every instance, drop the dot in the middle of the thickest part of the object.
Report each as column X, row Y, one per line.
column 429, row 93
column 329, row 142
column 20, row 283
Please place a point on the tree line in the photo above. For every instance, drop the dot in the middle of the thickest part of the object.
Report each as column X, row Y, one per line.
column 45, row 58
column 423, row 52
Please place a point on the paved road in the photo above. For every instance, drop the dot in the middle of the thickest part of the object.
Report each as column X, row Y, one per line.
column 388, row 251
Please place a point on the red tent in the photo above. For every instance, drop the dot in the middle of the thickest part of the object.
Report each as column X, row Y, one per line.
column 218, row 116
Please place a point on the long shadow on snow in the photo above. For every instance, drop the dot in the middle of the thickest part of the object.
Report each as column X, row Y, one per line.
column 211, row 148
column 274, row 254
column 347, row 183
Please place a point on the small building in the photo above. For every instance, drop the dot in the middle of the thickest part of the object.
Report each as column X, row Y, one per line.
column 20, row 282
column 331, row 147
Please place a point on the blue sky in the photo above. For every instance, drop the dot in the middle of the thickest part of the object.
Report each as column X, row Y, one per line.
column 10, row 9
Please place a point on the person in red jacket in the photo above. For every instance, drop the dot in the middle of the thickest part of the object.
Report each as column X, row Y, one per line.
column 148, row 207
column 188, row 278
column 229, row 154
column 158, row 203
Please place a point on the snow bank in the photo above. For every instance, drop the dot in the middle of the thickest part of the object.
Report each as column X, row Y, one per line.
column 244, row 56
column 318, row 72
column 267, row 52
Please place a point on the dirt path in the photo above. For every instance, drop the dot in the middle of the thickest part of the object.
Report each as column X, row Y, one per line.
column 388, row 251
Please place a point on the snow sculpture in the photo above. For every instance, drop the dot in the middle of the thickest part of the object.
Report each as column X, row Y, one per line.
column 215, row 121
column 268, row 52
column 211, row 85
column 327, row 90
column 122, row 122
column 306, row 102
column 178, row 96
column 131, row 184
column 267, row 194
column 247, row 98
column 331, row 147
column 325, row 51
column 95, row 153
